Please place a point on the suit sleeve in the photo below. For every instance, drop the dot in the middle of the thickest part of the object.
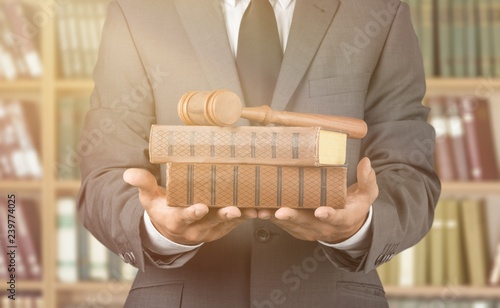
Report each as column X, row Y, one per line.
column 115, row 138
column 400, row 144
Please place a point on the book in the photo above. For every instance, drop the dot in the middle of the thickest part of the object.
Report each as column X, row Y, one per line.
column 495, row 12
column 219, row 185
column 482, row 159
column 21, row 36
column 472, row 213
column 485, row 37
column 422, row 261
column 494, row 278
column 67, row 262
column 453, row 243
column 426, row 38
column 445, row 38
column 27, row 228
column 278, row 145
column 457, row 139
column 458, row 38
column 98, row 258
column 443, row 155
column 20, row 154
column 437, row 246
column 471, row 39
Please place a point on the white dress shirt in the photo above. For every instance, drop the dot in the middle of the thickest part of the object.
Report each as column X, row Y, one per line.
column 356, row 245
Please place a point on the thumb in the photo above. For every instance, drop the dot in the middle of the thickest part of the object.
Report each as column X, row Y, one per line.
column 142, row 179
column 367, row 180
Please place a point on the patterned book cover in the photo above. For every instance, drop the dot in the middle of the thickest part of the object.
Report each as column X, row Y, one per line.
column 219, row 185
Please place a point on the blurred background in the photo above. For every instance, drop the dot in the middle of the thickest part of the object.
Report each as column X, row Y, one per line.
column 48, row 49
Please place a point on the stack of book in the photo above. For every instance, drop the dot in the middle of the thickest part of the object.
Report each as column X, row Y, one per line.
column 465, row 147
column 81, row 257
column 460, row 249
column 79, row 26
column 251, row 166
column 19, row 158
column 24, row 219
column 19, row 57
column 458, row 37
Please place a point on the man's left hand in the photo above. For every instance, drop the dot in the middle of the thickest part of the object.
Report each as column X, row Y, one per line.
column 328, row 224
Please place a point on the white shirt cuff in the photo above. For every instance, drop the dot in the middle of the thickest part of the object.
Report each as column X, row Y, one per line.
column 358, row 244
column 156, row 242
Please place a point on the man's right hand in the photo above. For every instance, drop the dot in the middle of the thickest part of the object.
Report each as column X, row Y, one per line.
column 184, row 225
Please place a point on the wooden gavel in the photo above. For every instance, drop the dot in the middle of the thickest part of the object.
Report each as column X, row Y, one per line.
column 224, row 108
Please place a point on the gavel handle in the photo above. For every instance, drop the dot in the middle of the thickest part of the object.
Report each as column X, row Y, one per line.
column 354, row 128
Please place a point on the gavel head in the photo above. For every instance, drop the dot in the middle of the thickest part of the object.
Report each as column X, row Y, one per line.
column 220, row 108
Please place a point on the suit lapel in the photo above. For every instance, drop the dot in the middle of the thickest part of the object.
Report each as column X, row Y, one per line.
column 310, row 22
column 205, row 26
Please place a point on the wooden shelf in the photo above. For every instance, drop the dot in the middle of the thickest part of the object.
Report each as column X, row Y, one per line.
column 29, row 285
column 72, row 85
column 470, row 85
column 71, row 186
column 470, row 187
column 17, row 85
column 444, row 292
column 21, row 185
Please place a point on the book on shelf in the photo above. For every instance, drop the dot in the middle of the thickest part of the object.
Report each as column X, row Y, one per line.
column 18, row 38
column 444, row 30
column 465, row 144
column 458, row 37
column 485, row 37
column 458, row 250
column 79, row 27
column 455, row 275
column 279, row 145
column 472, row 211
column 265, row 186
column 495, row 17
column 22, row 300
column 81, row 257
column 479, row 138
column 457, row 139
column 19, row 157
column 494, row 278
column 25, row 220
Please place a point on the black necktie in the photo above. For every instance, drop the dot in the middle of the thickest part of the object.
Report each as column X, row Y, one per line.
column 259, row 53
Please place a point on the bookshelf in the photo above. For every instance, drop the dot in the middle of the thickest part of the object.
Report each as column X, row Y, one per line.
column 50, row 87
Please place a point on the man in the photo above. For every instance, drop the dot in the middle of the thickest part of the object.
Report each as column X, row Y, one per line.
column 356, row 58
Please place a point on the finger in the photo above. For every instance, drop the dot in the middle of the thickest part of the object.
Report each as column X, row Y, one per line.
column 141, row 179
column 265, row 213
column 367, row 180
column 249, row 213
column 223, row 215
column 193, row 213
column 288, row 214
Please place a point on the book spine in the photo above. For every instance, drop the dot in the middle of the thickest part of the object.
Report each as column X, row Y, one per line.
column 98, row 260
column 66, row 66
column 444, row 27
column 242, row 145
column 426, row 36
column 479, row 139
column 472, row 213
column 443, row 155
column 485, row 37
column 471, row 39
column 67, row 138
column 219, row 185
column 437, row 241
column 458, row 32
column 495, row 12
column 83, row 253
column 27, row 241
column 457, row 137
column 67, row 261
column 22, row 43
column 454, row 258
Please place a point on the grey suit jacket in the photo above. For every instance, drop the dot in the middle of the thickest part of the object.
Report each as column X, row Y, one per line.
column 357, row 58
